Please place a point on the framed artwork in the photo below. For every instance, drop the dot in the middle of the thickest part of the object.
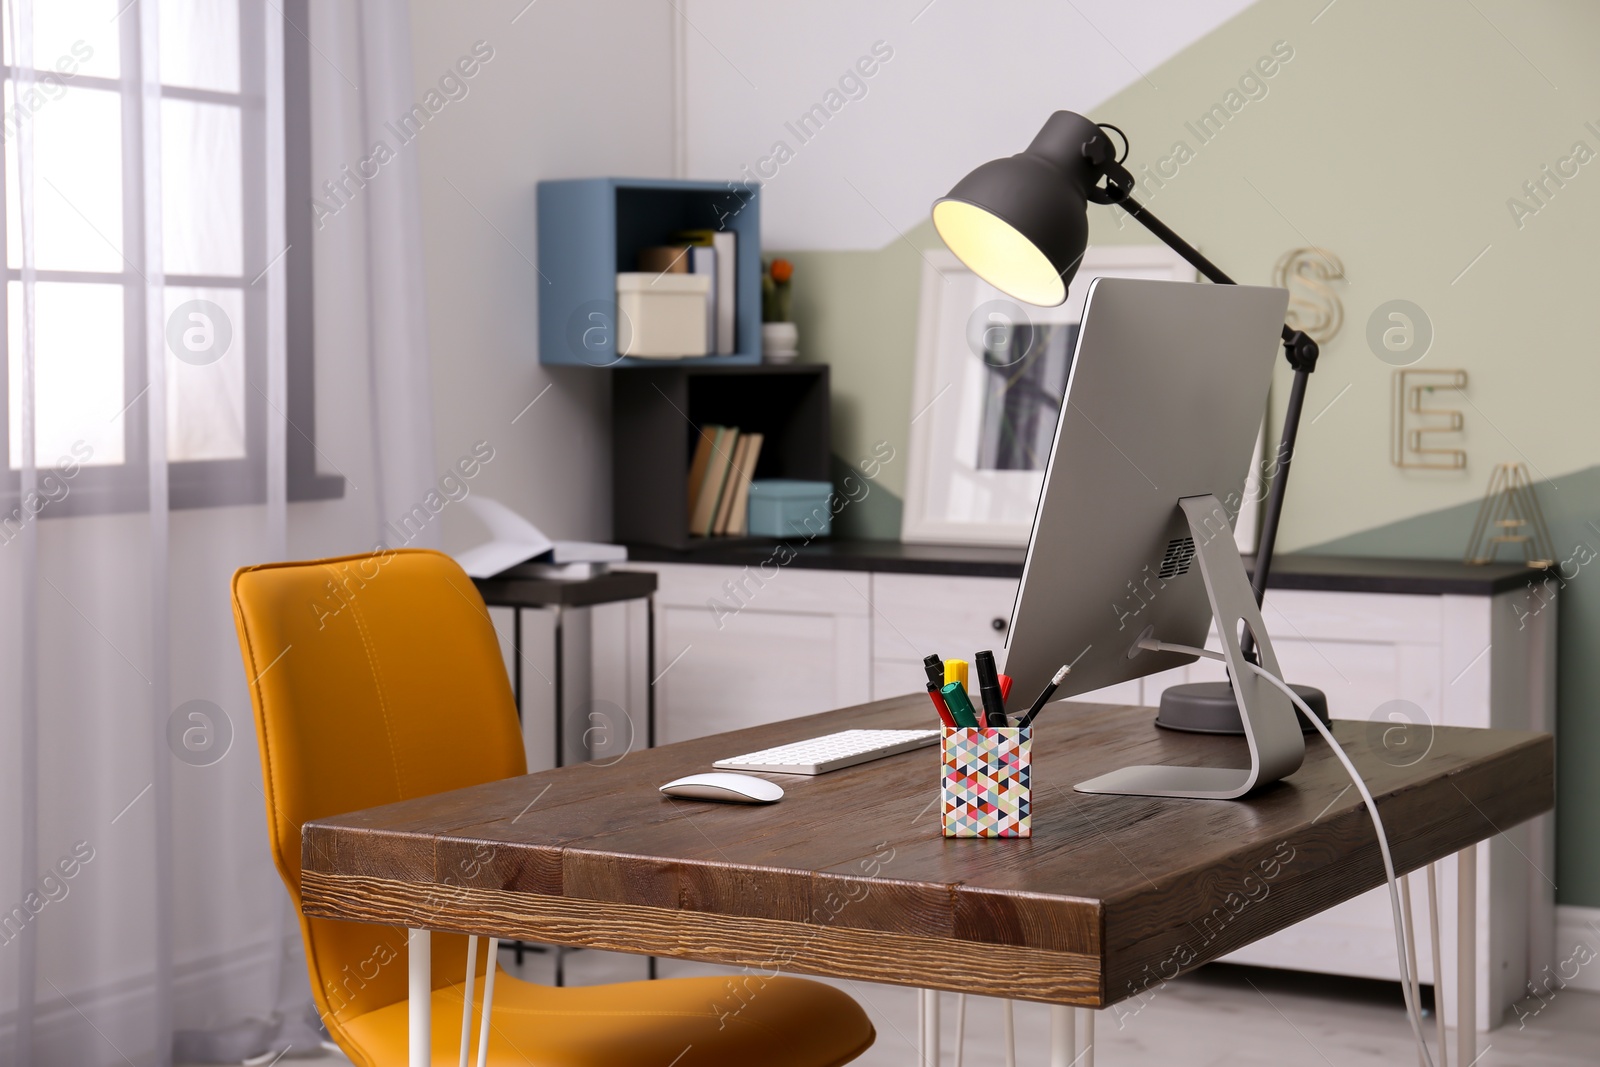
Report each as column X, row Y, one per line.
column 990, row 376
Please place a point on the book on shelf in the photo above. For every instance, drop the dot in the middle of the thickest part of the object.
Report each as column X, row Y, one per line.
column 719, row 481
column 706, row 440
column 739, row 512
column 724, row 243
column 719, row 521
column 730, row 488
column 703, row 516
column 703, row 260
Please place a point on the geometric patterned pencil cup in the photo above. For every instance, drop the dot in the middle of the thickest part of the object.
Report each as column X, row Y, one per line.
column 987, row 781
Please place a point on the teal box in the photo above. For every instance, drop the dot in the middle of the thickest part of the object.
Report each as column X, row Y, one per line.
column 784, row 507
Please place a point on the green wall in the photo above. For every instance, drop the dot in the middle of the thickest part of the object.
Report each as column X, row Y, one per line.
column 857, row 311
column 1404, row 138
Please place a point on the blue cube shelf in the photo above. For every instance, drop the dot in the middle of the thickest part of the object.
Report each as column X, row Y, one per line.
column 592, row 228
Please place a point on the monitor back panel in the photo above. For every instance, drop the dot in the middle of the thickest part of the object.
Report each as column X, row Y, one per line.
column 1166, row 396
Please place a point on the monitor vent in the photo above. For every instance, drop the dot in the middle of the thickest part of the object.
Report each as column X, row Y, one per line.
column 1180, row 553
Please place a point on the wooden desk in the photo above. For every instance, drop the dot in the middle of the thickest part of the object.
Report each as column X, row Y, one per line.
column 848, row 875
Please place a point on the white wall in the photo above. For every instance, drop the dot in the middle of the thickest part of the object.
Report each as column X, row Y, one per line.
column 965, row 82
column 573, row 90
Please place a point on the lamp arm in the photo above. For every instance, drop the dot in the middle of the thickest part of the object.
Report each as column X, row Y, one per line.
column 1173, row 241
column 1298, row 348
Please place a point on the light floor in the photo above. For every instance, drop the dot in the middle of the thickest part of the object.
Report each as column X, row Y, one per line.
column 1219, row 1017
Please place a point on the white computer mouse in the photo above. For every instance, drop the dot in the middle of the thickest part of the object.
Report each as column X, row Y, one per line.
column 720, row 785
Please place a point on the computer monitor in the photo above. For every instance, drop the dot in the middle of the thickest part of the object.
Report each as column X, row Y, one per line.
column 1132, row 537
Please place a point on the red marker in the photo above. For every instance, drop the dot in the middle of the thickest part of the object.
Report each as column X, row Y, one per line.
column 934, row 666
column 1005, row 687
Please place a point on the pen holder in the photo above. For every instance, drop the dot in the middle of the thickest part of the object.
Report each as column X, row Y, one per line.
column 987, row 781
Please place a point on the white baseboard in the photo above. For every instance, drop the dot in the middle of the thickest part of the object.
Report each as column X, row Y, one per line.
column 1578, row 939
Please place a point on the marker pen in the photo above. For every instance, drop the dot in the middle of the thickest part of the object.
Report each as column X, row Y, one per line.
column 994, row 706
column 955, row 670
column 955, row 698
column 933, row 666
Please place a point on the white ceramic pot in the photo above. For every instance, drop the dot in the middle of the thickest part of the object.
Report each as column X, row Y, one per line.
column 780, row 341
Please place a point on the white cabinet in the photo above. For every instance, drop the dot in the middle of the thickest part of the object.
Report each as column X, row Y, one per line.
column 740, row 646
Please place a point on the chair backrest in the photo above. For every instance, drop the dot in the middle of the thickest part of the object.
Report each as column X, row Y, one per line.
column 374, row 678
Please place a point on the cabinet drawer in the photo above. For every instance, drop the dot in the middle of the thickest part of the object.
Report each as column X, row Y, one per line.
column 1329, row 616
column 758, row 668
column 772, row 588
column 917, row 614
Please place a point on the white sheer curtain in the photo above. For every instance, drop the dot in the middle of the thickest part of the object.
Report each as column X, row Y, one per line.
column 362, row 83
column 145, row 335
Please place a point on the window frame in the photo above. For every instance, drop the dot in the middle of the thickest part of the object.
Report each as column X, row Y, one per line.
column 125, row 487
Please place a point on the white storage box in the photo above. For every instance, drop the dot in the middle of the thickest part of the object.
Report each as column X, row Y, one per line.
column 663, row 316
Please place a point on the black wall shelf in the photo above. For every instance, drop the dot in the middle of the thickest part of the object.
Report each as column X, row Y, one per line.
column 656, row 415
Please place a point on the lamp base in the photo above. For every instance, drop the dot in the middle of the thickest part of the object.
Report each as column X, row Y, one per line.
column 1211, row 708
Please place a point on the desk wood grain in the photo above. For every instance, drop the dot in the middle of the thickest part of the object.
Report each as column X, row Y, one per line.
column 849, row 876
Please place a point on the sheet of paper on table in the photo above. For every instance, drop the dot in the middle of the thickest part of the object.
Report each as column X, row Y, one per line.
column 515, row 540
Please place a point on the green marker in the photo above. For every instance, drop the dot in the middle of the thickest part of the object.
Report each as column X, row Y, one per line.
column 955, row 698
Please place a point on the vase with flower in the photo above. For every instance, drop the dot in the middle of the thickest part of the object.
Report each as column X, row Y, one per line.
column 780, row 337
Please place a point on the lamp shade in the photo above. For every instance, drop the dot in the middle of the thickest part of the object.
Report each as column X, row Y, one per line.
column 1021, row 223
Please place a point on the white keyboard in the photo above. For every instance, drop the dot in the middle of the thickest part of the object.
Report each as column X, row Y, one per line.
column 831, row 752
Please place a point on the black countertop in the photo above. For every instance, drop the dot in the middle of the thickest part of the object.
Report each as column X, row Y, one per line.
column 884, row 557
column 1348, row 574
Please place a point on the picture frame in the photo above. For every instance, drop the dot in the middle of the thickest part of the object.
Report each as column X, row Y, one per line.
column 986, row 393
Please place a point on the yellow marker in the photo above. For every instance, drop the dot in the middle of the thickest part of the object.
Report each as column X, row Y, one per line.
column 955, row 670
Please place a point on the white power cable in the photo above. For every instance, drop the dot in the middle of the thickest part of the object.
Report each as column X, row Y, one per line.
column 1412, row 1012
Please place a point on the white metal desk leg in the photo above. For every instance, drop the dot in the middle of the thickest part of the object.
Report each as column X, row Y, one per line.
column 1467, row 956
column 1061, row 1035
column 961, row 1027
column 466, row 1000
column 1438, row 967
column 488, row 1001
column 419, row 1002
column 930, row 1028
column 1083, row 1044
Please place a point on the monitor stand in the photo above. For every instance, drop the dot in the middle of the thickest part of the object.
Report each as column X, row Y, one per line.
column 1277, row 747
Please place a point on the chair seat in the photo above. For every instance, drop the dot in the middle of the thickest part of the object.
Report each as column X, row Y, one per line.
column 741, row 1020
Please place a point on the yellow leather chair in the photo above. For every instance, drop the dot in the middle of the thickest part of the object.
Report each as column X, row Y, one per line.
column 377, row 678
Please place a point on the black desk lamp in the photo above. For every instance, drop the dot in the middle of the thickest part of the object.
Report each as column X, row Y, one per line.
column 1021, row 224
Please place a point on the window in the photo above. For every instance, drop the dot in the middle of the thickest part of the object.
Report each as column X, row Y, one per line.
column 74, row 100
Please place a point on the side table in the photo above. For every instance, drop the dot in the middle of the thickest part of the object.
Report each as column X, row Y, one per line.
column 518, row 589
